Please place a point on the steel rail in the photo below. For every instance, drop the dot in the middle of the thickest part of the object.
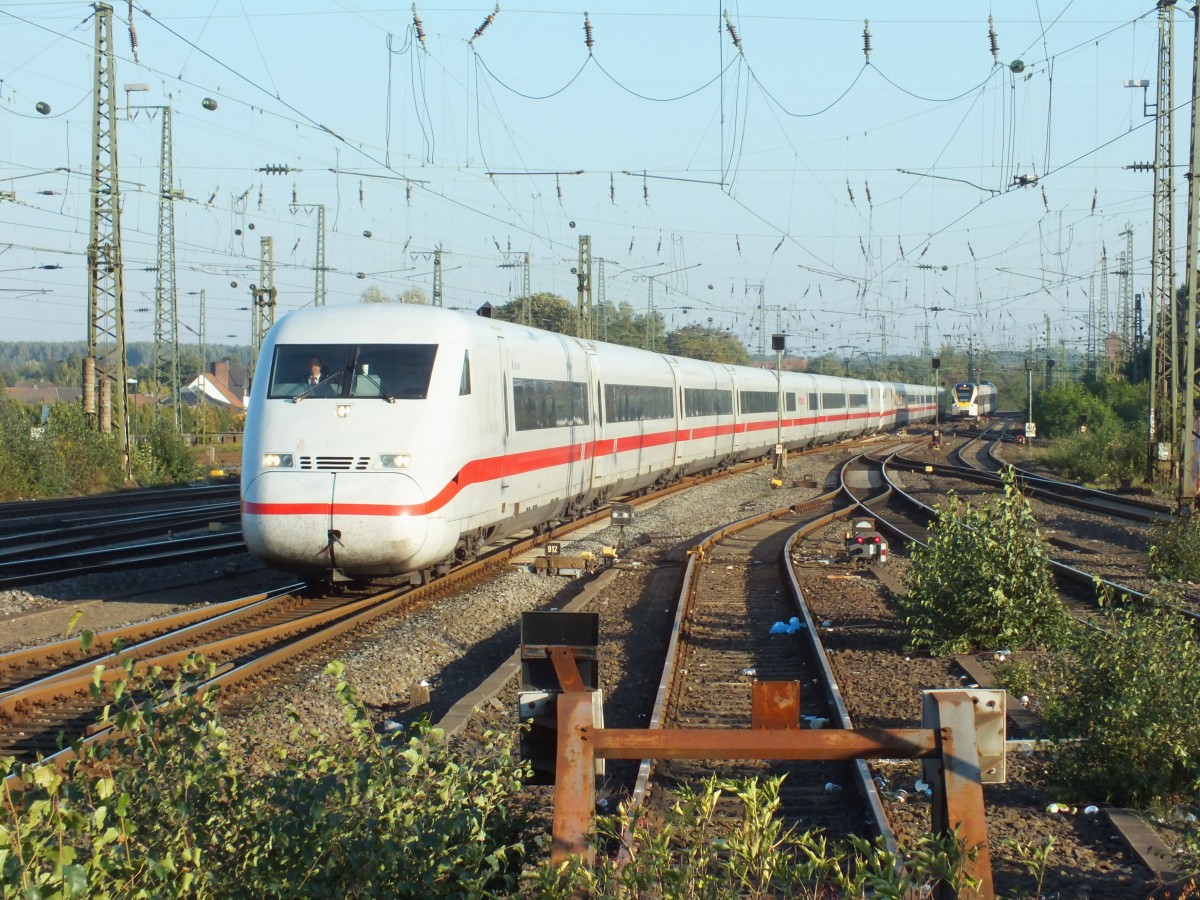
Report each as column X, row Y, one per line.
column 826, row 510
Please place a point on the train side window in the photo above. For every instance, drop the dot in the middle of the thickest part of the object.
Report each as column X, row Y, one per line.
column 634, row 402
column 789, row 400
column 707, row 402
column 464, row 381
column 814, row 403
column 540, row 403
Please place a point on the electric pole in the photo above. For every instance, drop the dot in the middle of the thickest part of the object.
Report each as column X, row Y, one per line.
column 1091, row 329
column 1187, row 477
column 105, row 366
column 1105, row 323
column 583, row 277
column 1125, row 299
column 1164, row 389
column 203, row 372
column 319, row 281
column 262, row 298
column 601, row 295
column 166, row 297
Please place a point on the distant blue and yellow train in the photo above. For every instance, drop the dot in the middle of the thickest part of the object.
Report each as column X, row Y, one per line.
column 392, row 439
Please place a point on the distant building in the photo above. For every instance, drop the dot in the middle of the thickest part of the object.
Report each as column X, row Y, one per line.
column 38, row 394
column 222, row 385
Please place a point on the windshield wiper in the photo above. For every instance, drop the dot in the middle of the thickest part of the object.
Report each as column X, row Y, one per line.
column 312, row 387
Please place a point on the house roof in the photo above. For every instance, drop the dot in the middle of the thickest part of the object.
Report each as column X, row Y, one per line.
column 28, row 392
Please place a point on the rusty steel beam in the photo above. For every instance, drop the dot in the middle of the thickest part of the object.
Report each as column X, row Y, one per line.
column 957, row 789
column 951, row 765
column 575, row 781
column 732, row 743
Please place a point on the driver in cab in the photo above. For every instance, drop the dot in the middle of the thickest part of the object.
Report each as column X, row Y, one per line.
column 315, row 384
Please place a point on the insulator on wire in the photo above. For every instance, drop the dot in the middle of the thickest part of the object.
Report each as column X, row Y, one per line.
column 867, row 39
column 737, row 41
column 558, row 188
column 645, row 192
column 587, row 32
column 992, row 41
column 361, row 198
column 132, row 33
column 484, row 26
column 420, row 29
column 612, row 190
column 293, row 193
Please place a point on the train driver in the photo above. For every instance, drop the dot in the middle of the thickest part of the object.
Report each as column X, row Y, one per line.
column 313, row 385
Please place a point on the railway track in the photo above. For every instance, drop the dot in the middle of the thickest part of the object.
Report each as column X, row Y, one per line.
column 49, row 540
column 47, row 699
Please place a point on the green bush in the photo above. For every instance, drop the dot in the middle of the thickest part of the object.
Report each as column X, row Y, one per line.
column 1111, row 455
column 1173, row 553
column 1126, row 697
column 161, row 811
column 1057, row 410
column 703, row 850
column 16, row 451
column 162, row 455
column 72, row 458
column 983, row 581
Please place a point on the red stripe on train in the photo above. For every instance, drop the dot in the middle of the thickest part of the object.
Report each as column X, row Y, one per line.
column 478, row 471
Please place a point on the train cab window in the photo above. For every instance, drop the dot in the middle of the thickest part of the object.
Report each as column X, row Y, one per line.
column 464, row 381
column 387, row 371
column 540, row 403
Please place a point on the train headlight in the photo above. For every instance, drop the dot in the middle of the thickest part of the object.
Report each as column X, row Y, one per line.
column 395, row 460
column 278, row 460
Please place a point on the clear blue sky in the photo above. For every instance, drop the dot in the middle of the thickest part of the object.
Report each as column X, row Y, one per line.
column 771, row 171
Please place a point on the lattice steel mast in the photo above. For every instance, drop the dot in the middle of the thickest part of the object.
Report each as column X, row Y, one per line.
column 106, row 297
column 263, row 297
column 166, row 297
column 1164, row 389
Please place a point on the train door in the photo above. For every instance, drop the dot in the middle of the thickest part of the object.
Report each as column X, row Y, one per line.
column 677, row 403
column 505, row 405
column 592, row 429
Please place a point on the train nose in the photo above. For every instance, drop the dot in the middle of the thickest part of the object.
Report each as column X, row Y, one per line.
column 363, row 523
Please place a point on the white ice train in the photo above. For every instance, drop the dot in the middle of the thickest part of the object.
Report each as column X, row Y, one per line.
column 973, row 399
column 432, row 432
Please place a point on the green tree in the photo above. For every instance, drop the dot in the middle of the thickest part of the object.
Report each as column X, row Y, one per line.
column 547, row 311
column 713, row 344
